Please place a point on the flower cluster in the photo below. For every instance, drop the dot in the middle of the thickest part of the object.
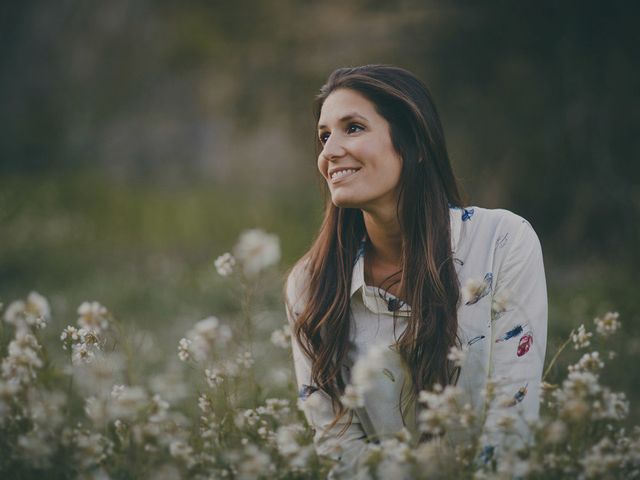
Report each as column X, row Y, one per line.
column 581, row 338
column 281, row 337
column 23, row 359
column 215, row 415
column 24, row 315
column 446, row 410
column 256, row 250
column 203, row 340
column 224, row 264
column 607, row 324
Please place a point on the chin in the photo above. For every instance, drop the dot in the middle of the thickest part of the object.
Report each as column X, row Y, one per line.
column 343, row 201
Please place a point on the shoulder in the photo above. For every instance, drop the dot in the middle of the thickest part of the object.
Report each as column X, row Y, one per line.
column 495, row 222
column 493, row 217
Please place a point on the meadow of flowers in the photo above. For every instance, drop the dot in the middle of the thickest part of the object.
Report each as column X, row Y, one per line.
column 77, row 401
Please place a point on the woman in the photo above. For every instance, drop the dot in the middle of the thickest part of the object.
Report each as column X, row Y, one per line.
column 400, row 260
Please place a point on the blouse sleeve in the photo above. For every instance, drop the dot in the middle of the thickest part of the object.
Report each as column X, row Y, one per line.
column 519, row 340
column 315, row 403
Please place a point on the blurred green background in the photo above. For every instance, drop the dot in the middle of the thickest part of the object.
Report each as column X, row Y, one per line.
column 138, row 139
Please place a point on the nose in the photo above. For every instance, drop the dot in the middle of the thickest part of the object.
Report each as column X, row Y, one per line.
column 333, row 148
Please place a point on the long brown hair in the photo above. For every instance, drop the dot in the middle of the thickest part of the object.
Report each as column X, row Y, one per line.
column 428, row 189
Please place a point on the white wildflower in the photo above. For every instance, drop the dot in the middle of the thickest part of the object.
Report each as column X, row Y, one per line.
column 214, row 376
column 256, row 251
column 475, row 288
column 588, row 362
column 8, row 392
column 251, row 417
column 433, row 422
column 183, row 349
column 38, row 306
column 117, row 390
column 34, row 312
column 574, row 397
column 91, row 449
column 432, row 459
column 81, row 353
column 443, row 408
column 614, row 406
column 499, row 303
column 224, row 264
column 15, row 312
column 278, row 408
column 511, row 465
column 37, row 447
column 204, row 403
column 93, row 316
column 608, row 324
column 245, row 359
column 299, row 462
column 69, row 336
column 457, row 355
column 369, row 367
column 23, row 358
column 601, row 460
column 206, row 337
column 158, row 409
column 256, row 463
column 282, row 337
column 555, row 432
column 127, row 401
column 264, row 432
column 45, row 407
column 90, row 337
column 581, row 338
column 182, row 451
column 506, row 421
column 582, row 383
column 467, row 416
column 396, row 459
column 121, row 429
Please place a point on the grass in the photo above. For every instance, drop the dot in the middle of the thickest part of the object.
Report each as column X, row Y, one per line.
column 146, row 252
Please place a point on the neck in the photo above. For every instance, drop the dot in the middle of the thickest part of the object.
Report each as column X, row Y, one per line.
column 385, row 237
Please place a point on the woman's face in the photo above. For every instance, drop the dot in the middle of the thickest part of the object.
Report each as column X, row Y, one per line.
column 355, row 136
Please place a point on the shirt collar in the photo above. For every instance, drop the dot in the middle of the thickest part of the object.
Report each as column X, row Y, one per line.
column 373, row 301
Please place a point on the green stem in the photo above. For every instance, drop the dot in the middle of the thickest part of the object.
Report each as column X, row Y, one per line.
column 555, row 357
column 128, row 351
column 246, row 310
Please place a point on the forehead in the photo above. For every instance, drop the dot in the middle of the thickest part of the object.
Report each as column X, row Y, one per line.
column 344, row 102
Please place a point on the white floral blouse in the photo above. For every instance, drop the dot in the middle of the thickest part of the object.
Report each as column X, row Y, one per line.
column 502, row 318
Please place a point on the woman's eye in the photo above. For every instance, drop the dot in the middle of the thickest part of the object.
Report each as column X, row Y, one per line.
column 323, row 137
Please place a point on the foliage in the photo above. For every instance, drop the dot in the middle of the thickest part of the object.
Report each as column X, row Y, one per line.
column 211, row 415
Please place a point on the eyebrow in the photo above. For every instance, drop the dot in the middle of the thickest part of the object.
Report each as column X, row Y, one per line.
column 346, row 118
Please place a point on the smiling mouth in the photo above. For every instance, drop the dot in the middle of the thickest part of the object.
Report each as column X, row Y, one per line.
column 343, row 175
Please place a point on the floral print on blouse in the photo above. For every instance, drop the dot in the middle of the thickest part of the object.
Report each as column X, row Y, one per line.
column 502, row 319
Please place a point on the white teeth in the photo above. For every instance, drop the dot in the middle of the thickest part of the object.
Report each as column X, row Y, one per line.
column 341, row 173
